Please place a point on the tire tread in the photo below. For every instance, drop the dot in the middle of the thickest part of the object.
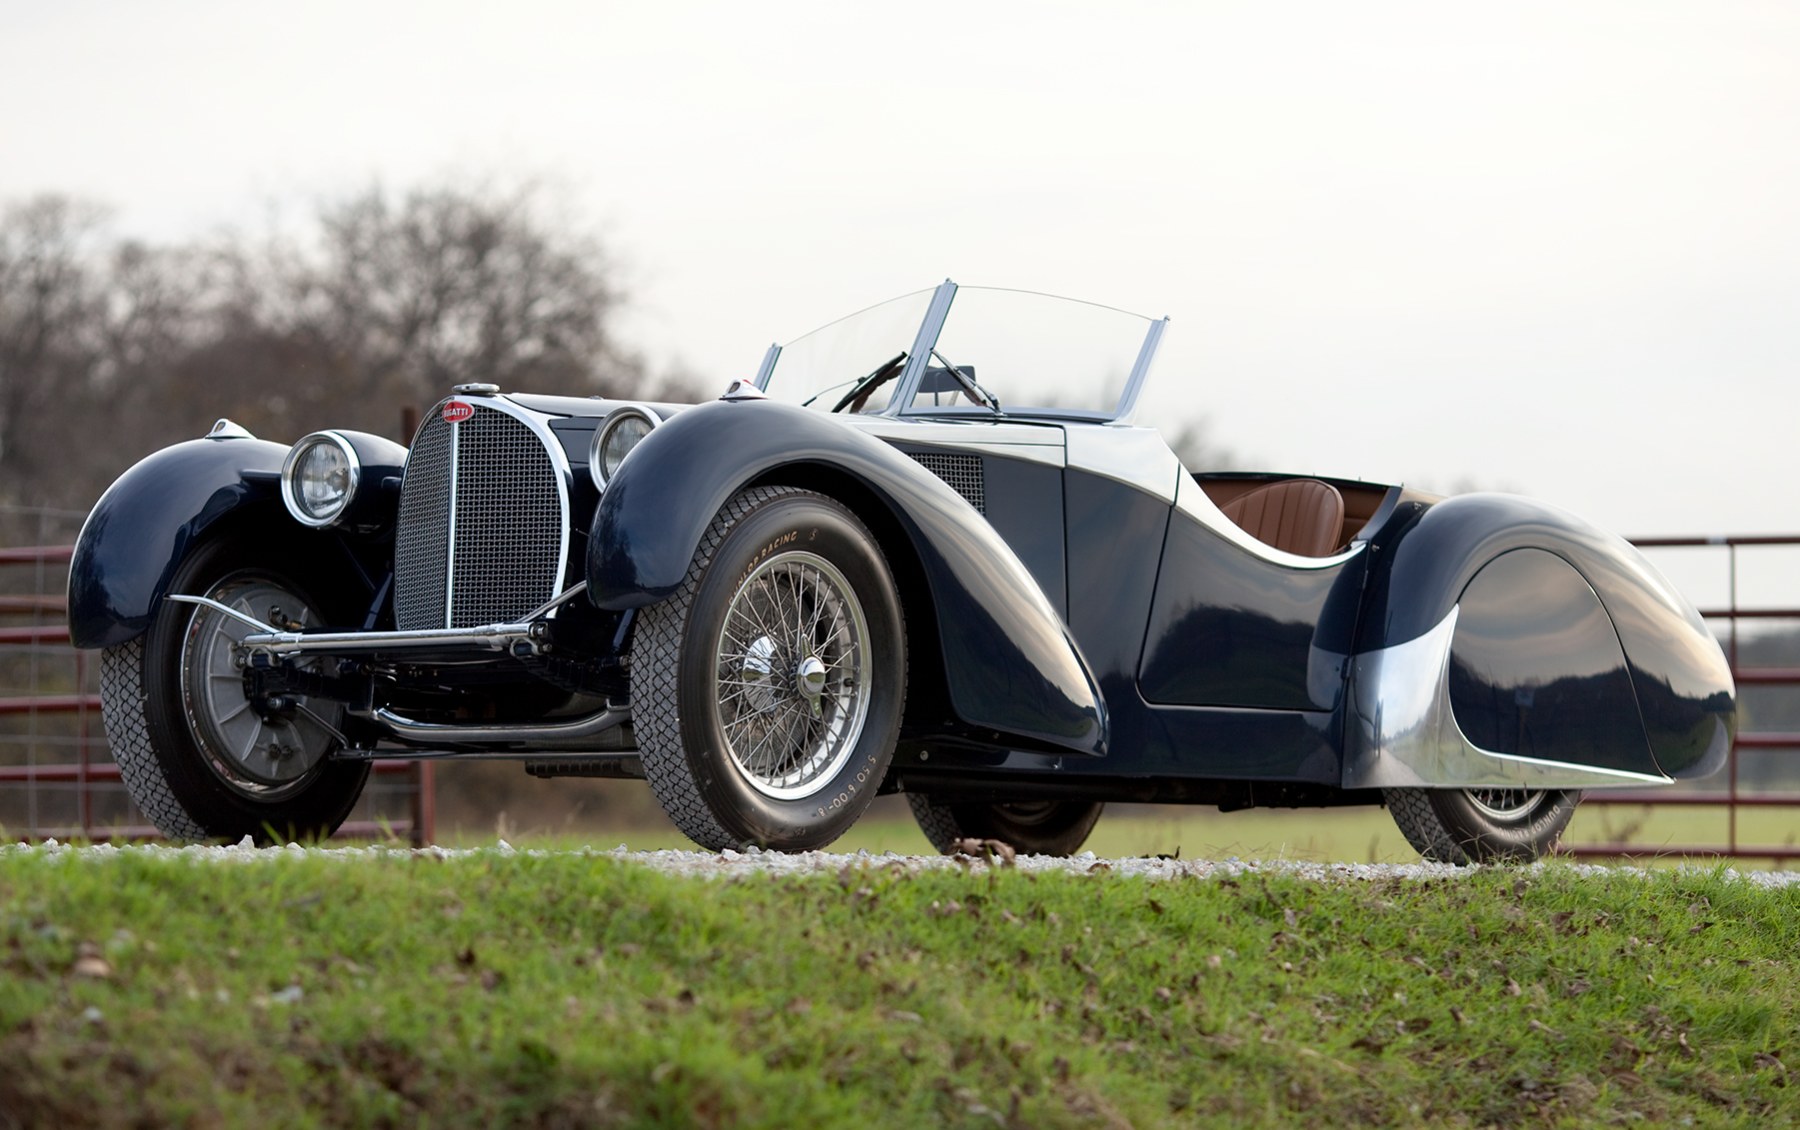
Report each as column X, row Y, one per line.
column 1423, row 828
column 654, row 683
column 124, row 715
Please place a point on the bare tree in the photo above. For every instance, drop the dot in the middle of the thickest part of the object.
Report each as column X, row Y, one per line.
column 379, row 302
column 50, row 307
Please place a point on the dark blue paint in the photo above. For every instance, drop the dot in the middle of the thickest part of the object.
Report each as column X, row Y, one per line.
column 145, row 522
column 1230, row 628
column 149, row 519
column 1010, row 664
column 1536, row 669
column 1684, row 690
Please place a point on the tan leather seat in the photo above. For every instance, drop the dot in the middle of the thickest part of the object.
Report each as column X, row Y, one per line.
column 1301, row 516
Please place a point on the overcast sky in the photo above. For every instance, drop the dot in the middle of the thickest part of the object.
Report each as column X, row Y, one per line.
column 1552, row 247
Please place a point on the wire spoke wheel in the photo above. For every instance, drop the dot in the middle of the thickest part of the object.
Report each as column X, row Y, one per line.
column 1482, row 825
column 793, row 682
column 1506, row 804
column 766, row 692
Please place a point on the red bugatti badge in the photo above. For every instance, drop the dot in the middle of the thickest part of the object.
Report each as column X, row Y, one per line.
column 456, row 411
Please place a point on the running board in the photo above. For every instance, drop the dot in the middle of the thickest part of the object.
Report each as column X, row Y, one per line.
column 596, row 733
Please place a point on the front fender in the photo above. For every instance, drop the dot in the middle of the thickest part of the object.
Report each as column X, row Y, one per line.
column 1010, row 662
column 148, row 520
column 144, row 524
column 1524, row 633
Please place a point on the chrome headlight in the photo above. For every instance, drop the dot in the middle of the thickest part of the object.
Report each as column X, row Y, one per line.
column 319, row 478
column 623, row 429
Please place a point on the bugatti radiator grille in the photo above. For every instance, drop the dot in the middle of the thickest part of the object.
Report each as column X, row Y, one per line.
column 480, row 538
column 962, row 472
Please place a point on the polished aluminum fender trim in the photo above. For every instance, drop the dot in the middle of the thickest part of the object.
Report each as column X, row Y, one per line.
column 1137, row 457
column 1402, row 733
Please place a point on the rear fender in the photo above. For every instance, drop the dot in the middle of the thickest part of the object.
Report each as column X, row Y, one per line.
column 1507, row 643
column 1009, row 662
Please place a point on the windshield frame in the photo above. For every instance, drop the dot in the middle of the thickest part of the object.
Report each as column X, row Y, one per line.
column 918, row 359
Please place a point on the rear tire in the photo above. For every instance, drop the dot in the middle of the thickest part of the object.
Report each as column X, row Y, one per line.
column 199, row 759
column 1482, row 825
column 1039, row 827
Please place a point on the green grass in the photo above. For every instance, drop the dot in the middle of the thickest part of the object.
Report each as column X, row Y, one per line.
column 574, row 989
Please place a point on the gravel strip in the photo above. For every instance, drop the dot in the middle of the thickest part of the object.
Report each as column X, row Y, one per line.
column 727, row 864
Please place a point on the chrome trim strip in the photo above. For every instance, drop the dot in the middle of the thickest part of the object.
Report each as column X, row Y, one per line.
column 288, row 464
column 495, row 637
column 450, row 537
column 277, row 642
column 537, row 753
column 768, row 367
column 227, row 610
column 556, row 601
column 537, row 424
column 607, row 423
column 1191, row 499
column 559, row 459
column 1140, row 372
column 590, row 726
column 1402, row 732
column 923, row 342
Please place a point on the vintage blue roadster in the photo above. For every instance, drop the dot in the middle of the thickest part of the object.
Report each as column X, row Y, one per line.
column 927, row 550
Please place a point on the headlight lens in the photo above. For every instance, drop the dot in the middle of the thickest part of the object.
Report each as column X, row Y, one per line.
column 319, row 478
column 623, row 430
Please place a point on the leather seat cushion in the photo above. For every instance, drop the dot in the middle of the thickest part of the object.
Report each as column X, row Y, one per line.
column 1301, row 516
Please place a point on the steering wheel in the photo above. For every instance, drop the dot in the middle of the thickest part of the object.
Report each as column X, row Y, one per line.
column 859, row 392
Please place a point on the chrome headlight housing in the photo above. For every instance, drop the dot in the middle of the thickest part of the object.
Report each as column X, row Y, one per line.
column 319, row 479
column 622, row 430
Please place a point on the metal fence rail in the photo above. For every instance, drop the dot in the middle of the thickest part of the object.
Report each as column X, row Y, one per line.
column 58, row 779
column 1730, row 793
column 57, row 776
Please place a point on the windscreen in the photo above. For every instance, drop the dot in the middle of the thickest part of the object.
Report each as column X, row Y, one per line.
column 1033, row 352
column 824, row 366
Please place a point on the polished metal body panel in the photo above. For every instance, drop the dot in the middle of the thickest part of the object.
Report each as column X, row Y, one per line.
column 1433, row 550
column 1010, row 663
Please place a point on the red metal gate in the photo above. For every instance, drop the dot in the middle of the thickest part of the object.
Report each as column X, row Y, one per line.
column 1757, row 620
column 57, row 776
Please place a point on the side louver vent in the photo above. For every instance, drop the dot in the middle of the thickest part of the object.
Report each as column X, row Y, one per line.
column 962, row 472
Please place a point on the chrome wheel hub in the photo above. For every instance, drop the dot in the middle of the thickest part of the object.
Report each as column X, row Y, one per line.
column 262, row 750
column 793, row 683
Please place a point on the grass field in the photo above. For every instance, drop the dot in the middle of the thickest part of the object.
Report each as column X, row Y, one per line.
column 574, row 989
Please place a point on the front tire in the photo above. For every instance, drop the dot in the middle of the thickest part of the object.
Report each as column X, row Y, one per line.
column 198, row 757
column 766, row 693
column 1482, row 825
column 1039, row 827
